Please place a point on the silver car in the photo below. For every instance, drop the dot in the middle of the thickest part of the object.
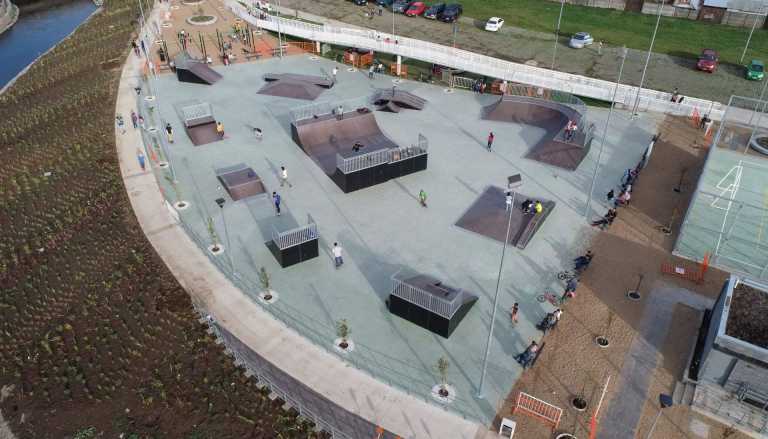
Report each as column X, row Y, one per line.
column 581, row 39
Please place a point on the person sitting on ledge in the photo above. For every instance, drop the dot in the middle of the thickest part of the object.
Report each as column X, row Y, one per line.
column 538, row 207
column 356, row 147
column 527, row 206
column 220, row 129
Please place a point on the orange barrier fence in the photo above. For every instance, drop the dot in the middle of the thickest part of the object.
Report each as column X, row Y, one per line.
column 693, row 275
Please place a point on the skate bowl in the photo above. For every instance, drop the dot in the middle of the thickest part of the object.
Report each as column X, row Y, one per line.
column 554, row 148
column 759, row 143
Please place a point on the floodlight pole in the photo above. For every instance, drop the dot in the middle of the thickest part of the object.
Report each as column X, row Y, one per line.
column 279, row 33
column 557, row 32
column 749, row 38
column 498, row 288
column 648, row 58
column 605, row 132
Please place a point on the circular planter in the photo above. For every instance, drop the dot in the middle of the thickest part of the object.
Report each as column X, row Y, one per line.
column 152, row 130
column 268, row 297
column 313, row 58
column 448, row 90
column 163, row 165
column 441, row 397
column 633, row 295
column 579, row 404
column 182, row 205
column 759, row 143
column 565, row 436
column 216, row 250
column 602, row 341
column 352, row 70
column 201, row 20
column 167, row 24
column 192, row 3
column 150, row 98
column 175, row 7
column 350, row 346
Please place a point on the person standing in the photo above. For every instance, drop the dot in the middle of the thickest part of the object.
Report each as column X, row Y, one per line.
column 284, row 177
column 490, row 140
column 143, row 47
column 527, row 356
column 370, row 71
column 508, row 201
column 570, row 289
column 169, row 132
column 340, row 112
column 142, row 160
column 610, row 195
column 276, row 200
column 258, row 133
column 135, row 47
column 538, row 207
column 141, row 122
column 120, row 123
column 381, row 10
column 220, row 129
column 334, row 72
column 134, row 119
column 514, row 312
column 337, row 255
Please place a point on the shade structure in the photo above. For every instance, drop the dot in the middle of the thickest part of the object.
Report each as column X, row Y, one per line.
column 555, row 148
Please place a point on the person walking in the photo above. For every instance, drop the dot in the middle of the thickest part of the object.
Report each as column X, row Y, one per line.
column 490, row 140
column 284, row 177
column 538, row 207
column 423, row 198
column 220, row 129
column 143, row 47
column 142, row 160
column 334, row 72
column 120, row 123
column 141, row 122
column 370, row 71
column 169, row 132
column 134, row 119
column 276, row 200
column 337, row 255
column 135, row 47
column 514, row 312
column 526, row 357
column 508, row 202
column 610, row 195
column 570, row 289
column 381, row 10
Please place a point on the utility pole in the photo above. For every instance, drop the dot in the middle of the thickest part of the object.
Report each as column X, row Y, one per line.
column 557, row 32
column 587, row 209
column 648, row 58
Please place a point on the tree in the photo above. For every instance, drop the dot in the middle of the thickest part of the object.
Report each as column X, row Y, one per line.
column 214, row 237
column 442, row 367
column 343, row 331
column 266, row 283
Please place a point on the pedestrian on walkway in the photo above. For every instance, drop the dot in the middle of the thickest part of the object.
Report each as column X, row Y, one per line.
column 143, row 48
column 381, row 10
column 340, row 112
column 135, row 47
column 141, row 122
column 120, row 123
column 169, row 132
column 337, row 255
column 423, row 198
column 538, row 207
column 134, row 119
column 570, row 289
column 508, row 201
column 610, row 195
column 600, row 47
column 142, row 160
column 370, row 71
column 490, row 140
column 220, row 129
column 284, row 177
column 276, row 200
column 528, row 355
column 514, row 312
column 334, row 72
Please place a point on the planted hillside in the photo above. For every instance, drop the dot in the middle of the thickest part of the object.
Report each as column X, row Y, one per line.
column 97, row 339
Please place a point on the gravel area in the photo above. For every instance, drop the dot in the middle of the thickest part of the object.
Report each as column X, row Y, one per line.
column 746, row 319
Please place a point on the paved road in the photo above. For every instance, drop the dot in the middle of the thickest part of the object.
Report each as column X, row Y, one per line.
column 664, row 73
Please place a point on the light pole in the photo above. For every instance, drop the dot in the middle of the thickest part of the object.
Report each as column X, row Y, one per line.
column 455, row 29
column 513, row 182
column 220, row 202
column 664, row 402
column 557, row 32
column 648, row 58
column 749, row 38
column 605, row 132
column 279, row 33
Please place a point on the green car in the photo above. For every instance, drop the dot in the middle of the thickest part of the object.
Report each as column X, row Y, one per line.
column 755, row 70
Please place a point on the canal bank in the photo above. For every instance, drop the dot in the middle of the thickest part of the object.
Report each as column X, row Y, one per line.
column 36, row 33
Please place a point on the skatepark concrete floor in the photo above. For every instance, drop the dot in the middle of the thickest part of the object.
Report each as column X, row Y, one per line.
column 383, row 228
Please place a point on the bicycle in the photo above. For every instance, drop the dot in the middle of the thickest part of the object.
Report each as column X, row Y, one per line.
column 567, row 275
column 550, row 297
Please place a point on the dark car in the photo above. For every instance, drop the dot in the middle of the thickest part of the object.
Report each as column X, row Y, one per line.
column 384, row 3
column 400, row 6
column 708, row 61
column 434, row 10
column 451, row 13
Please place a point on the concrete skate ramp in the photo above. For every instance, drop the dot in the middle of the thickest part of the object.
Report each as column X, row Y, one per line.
column 323, row 137
column 194, row 71
column 394, row 100
column 240, row 181
column 553, row 149
column 289, row 88
column 487, row 216
column 309, row 79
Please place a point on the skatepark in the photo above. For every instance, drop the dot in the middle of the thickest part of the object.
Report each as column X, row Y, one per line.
column 383, row 228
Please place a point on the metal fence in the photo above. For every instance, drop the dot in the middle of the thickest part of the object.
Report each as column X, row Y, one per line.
column 327, row 107
column 425, row 299
column 296, row 236
column 348, row 165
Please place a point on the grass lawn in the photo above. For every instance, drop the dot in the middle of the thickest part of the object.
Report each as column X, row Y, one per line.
column 677, row 36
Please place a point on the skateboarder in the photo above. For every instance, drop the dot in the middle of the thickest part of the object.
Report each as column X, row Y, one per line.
column 337, row 255
column 423, row 198
column 284, row 177
column 276, row 200
column 490, row 140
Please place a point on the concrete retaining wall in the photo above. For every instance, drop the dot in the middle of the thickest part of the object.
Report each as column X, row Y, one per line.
column 9, row 14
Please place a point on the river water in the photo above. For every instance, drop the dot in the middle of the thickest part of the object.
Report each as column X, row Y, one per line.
column 37, row 32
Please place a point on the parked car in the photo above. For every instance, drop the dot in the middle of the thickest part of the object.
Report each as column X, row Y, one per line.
column 581, row 39
column 451, row 13
column 400, row 6
column 434, row 10
column 360, row 2
column 415, row 9
column 494, row 24
column 708, row 61
column 384, row 3
column 755, row 70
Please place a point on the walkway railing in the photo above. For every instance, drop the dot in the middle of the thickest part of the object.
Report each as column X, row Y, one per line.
column 482, row 64
column 296, row 236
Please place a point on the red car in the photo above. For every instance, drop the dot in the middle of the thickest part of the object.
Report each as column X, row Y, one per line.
column 416, row 8
column 708, row 61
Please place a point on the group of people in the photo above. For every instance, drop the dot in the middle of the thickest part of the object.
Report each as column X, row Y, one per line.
column 625, row 191
column 479, row 86
column 375, row 68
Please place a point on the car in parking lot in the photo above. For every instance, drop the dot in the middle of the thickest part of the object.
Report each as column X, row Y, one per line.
column 451, row 13
column 400, row 6
column 360, row 2
column 434, row 10
column 415, row 9
column 581, row 39
column 708, row 61
column 755, row 70
column 494, row 24
column 384, row 3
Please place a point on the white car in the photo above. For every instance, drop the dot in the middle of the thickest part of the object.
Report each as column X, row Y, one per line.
column 581, row 39
column 494, row 24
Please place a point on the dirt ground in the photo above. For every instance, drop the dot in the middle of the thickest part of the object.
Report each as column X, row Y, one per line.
column 571, row 363
column 664, row 73
column 747, row 316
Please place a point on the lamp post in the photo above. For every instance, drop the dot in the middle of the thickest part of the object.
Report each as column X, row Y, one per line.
column 664, row 402
column 220, row 202
column 648, row 58
column 557, row 32
column 513, row 182
column 605, row 131
column 279, row 33
column 749, row 38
